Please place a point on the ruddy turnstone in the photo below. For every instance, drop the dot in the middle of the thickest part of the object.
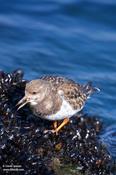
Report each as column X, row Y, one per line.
column 56, row 98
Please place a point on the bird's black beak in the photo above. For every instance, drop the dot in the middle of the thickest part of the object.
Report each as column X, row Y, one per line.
column 22, row 103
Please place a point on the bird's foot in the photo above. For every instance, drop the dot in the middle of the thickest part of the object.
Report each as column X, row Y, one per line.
column 51, row 131
column 56, row 130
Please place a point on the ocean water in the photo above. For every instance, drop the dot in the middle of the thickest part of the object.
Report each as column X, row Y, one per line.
column 73, row 38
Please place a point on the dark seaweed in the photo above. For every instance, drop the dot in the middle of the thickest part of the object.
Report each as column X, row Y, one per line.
column 24, row 142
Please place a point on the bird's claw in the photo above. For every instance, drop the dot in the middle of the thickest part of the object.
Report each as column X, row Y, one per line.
column 51, row 131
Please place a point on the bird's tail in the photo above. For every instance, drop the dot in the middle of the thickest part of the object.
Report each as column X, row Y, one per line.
column 89, row 89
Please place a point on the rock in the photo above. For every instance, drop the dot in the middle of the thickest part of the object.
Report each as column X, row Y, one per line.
column 24, row 142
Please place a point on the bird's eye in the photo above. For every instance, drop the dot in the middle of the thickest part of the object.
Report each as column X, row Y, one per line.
column 34, row 92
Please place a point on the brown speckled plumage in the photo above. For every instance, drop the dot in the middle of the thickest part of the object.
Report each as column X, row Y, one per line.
column 56, row 98
column 73, row 92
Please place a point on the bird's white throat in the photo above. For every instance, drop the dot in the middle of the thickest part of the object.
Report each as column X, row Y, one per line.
column 33, row 103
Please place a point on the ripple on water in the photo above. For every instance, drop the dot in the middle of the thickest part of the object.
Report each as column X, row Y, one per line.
column 109, row 138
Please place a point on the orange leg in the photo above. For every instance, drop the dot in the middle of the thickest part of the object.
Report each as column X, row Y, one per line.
column 55, row 125
column 65, row 121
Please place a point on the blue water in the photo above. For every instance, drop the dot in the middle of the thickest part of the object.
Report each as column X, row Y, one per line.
column 73, row 38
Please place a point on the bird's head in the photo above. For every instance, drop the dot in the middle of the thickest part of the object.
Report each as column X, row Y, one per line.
column 35, row 92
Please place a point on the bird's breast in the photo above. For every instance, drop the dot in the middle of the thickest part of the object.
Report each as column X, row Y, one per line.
column 65, row 111
column 50, row 105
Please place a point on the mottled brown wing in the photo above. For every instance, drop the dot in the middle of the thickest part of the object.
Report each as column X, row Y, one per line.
column 56, row 80
column 71, row 90
column 73, row 94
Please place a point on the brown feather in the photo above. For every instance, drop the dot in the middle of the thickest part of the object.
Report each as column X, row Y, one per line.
column 71, row 90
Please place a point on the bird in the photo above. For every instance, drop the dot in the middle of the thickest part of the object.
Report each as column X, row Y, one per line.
column 56, row 98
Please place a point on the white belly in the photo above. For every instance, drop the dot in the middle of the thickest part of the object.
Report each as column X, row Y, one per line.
column 65, row 111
